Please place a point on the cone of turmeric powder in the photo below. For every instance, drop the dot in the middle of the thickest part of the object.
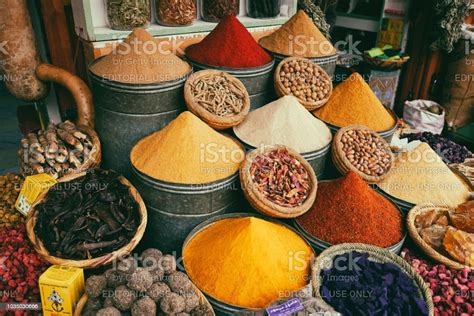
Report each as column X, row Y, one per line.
column 187, row 151
column 354, row 103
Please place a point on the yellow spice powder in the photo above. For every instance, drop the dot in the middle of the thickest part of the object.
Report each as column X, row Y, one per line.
column 420, row 176
column 299, row 36
column 247, row 262
column 187, row 151
column 353, row 102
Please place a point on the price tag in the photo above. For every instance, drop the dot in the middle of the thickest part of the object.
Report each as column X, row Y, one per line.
column 289, row 307
column 32, row 187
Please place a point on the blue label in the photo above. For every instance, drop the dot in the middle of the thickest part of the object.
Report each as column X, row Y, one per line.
column 292, row 306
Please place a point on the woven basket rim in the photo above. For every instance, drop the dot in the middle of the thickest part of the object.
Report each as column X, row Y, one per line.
column 344, row 165
column 215, row 121
column 38, row 245
column 310, row 106
column 427, row 249
column 380, row 255
column 259, row 201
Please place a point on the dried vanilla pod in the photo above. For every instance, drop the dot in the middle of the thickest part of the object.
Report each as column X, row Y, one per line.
column 54, row 150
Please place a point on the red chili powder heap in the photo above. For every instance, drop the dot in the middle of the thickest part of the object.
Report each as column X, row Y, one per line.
column 348, row 210
column 229, row 45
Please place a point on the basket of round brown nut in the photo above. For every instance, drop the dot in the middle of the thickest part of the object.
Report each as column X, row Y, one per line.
column 363, row 151
column 218, row 98
column 279, row 182
column 305, row 80
column 148, row 284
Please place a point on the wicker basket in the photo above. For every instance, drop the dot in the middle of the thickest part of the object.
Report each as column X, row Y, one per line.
column 375, row 253
column 281, row 91
column 85, row 109
column 427, row 249
column 94, row 262
column 258, row 201
column 343, row 165
column 202, row 300
column 383, row 64
column 213, row 120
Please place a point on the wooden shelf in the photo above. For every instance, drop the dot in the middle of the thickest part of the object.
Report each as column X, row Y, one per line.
column 358, row 22
column 91, row 24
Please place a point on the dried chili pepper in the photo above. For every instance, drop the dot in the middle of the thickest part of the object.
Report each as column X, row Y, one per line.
column 281, row 178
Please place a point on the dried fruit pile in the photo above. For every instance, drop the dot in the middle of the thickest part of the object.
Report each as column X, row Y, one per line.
column 281, row 178
column 20, row 267
column 144, row 285
column 452, row 290
column 57, row 150
column 451, row 233
column 305, row 80
column 10, row 186
column 87, row 217
column 356, row 285
column 366, row 151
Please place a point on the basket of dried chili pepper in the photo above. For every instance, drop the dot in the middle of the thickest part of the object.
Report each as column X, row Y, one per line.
column 279, row 182
column 87, row 220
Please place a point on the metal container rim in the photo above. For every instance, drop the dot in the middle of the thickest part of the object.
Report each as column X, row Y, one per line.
column 217, row 218
column 149, row 87
column 307, row 155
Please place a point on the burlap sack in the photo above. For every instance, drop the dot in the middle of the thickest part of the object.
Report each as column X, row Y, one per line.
column 458, row 93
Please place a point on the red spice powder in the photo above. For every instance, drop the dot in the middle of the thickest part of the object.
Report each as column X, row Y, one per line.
column 348, row 210
column 229, row 45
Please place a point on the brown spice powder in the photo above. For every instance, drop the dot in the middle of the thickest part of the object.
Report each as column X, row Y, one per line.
column 140, row 59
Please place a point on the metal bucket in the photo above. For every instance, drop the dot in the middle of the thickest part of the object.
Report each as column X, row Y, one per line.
column 261, row 99
column 219, row 307
column 317, row 159
column 403, row 205
column 175, row 209
column 256, row 80
column 328, row 63
column 321, row 245
column 126, row 113
column 387, row 135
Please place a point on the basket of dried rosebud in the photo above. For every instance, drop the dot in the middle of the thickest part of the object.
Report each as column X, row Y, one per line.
column 279, row 182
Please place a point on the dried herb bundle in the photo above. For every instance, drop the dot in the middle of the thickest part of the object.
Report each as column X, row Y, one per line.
column 128, row 14
column 317, row 15
column 218, row 94
column 88, row 217
column 449, row 17
column 281, row 178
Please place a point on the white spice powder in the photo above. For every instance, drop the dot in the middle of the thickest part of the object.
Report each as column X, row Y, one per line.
column 284, row 122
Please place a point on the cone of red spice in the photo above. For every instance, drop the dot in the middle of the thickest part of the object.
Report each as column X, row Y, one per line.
column 229, row 45
column 347, row 210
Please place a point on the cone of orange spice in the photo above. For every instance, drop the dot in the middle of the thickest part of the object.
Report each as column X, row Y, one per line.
column 347, row 210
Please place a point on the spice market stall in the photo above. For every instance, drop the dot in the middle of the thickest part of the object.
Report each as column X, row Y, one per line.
column 236, row 177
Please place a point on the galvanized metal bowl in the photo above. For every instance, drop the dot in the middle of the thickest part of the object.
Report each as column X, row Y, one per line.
column 220, row 307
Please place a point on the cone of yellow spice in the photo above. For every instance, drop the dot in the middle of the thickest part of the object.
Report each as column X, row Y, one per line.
column 420, row 176
column 300, row 37
column 247, row 262
column 354, row 103
column 187, row 151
